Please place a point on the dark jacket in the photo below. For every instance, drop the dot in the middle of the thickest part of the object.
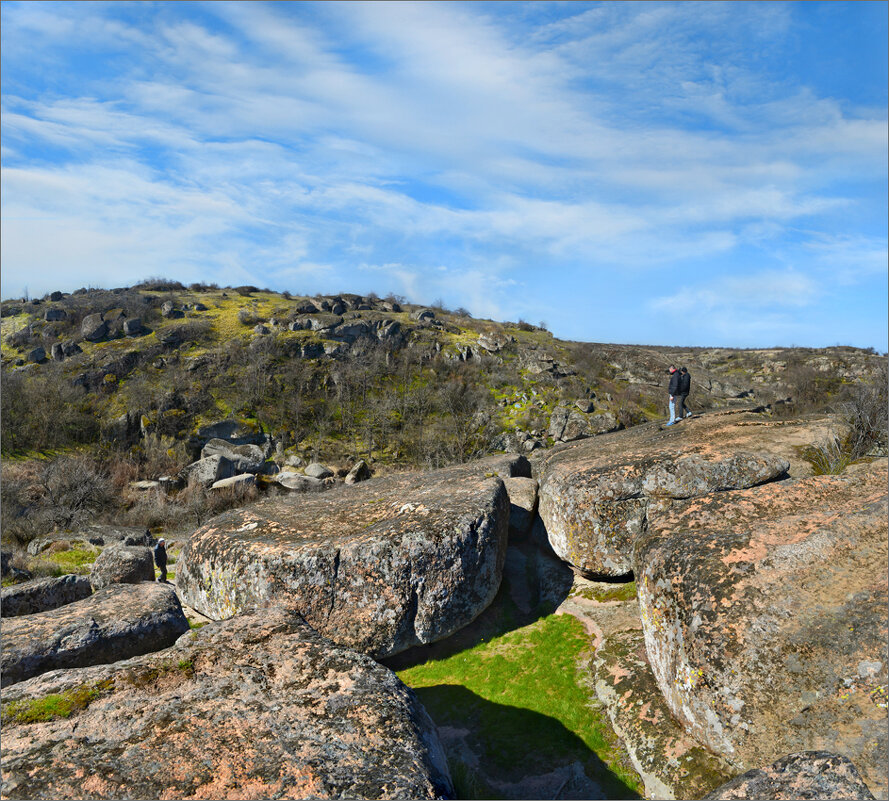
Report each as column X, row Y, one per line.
column 674, row 383
column 160, row 555
column 684, row 384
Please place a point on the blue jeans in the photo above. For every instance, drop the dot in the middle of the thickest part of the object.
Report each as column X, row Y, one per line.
column 672, row 410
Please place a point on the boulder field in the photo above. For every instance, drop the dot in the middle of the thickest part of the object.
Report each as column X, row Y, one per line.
column 257, row 707
column 117, row 622
column 764, row 612
column 380, row 566
column 594, row 495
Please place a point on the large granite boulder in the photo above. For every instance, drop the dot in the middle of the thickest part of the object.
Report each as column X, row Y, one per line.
column 122, row 564
column 245, row 458
column 93, row 328
column 594, row 495
column 207, row 471
column 764, row 613
column 115, row 623
column 257, row 707
column 380, row 566
column 809, row 775
column 44, row 594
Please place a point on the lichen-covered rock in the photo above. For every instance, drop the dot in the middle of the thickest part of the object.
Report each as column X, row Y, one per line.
column 809, row 775
column 258, row 707
column 765, row 617
column 380, row 566
column 115, row 623
column 122, row 564
column 670, row 762
column 44, row 594
column 594, row 495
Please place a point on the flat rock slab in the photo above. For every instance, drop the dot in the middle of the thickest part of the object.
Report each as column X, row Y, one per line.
column 43, row 595
column 764, row 613
column 380, row 566
column 809, row 775
column 258, row 707
column 115, row 623
column 594, row 495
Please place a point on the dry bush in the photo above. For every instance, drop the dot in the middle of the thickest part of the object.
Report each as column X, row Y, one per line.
column 76, row 490
column 866, row 412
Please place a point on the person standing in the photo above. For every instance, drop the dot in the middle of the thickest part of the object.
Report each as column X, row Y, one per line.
column 673, row 390
column 684, row 389
column 160, row 558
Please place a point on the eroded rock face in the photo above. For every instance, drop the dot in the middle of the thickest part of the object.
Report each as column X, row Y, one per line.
column 670, row 762
column 42, row 595
column 812, row 774
column 594, row 495
column 257, row 707
column 380, row 566
column 114, row 623
column 122, row 564
column 764, row 613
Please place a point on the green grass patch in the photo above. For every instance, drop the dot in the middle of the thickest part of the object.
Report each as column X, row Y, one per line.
column 55, row 705
column 74, row 560
column 520, row 695
column 616, row 592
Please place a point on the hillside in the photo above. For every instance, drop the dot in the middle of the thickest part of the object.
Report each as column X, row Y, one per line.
column 131, row 383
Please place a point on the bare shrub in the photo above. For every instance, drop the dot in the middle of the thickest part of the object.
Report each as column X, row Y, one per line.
column 866, row 413
column 75, row 490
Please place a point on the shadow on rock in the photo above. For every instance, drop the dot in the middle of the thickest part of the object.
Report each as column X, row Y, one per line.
column 500, row 751
column 535, row 582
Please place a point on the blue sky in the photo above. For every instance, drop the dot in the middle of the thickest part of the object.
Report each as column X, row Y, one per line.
column 653, row 173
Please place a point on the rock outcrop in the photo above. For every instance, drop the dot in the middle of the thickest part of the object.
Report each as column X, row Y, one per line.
column 594, row 495
column 764, row 613
column 115, row 623
column 380, row 566
column 812, row 774
column 43, row 595
column 258, row 707
column 122, row 564
column 669, row 761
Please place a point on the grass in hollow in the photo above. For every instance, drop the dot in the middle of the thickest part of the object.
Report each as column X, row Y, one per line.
column 521, row 697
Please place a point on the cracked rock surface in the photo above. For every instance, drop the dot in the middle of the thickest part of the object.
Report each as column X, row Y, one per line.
column 114, row 623
column 764, row 613
column 380, row 567
column 257, row 707
column 595, row 495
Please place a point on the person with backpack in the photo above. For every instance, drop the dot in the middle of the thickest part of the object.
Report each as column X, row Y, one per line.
column 673, row 391
column 160, row 558
column 684, row 389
